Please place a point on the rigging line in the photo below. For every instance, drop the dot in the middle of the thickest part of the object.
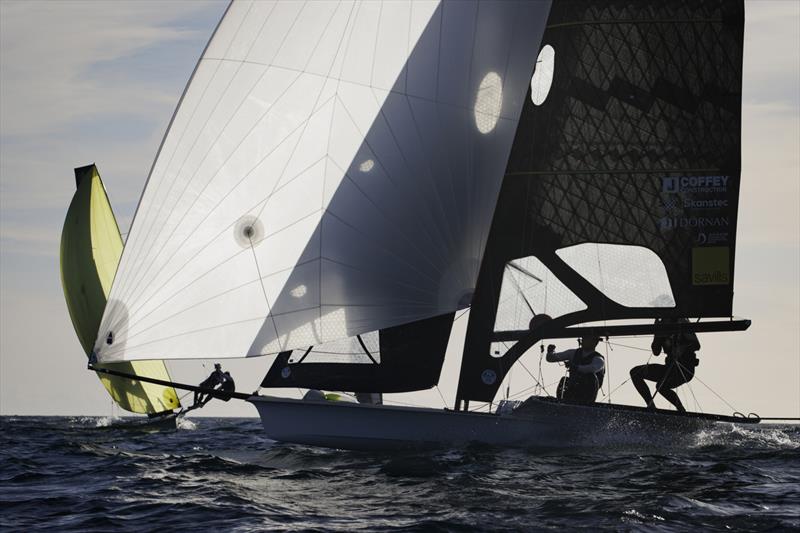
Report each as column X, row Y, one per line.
column 518, row 268
column 264, row 290
column 688, row 385
column 630, row 347
column 619, row 386
column 608, row 372
column 538, row 383
column 521, row 292
column 715, row 394
column 444, row 403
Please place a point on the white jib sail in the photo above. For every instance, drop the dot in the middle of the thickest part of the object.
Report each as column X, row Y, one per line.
column 331, row 169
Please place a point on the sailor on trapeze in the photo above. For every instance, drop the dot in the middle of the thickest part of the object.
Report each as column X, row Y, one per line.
column 217, row 378
column 586, row 371
column 681, row 360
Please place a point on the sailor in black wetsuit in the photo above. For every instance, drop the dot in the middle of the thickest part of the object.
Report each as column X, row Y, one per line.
column 227, row 385
column 680, row 349
column 586, row 371
column 217, row 377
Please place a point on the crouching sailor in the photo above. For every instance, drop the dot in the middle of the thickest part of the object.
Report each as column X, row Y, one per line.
column 586, row 371
column 214, row 380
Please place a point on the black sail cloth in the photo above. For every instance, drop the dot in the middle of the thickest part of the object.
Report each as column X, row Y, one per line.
column 637, row 143
column 411, row 358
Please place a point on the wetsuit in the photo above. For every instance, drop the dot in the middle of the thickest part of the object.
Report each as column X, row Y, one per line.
column 227, row 385
column 681, row 361
column 215, row 378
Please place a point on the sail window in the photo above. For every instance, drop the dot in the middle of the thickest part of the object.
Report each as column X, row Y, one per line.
column 488, row 102
column 542, row 77
column 366, row 166
column 530, row 289
column 299, row 291
column 348, row 350
column 632, row 276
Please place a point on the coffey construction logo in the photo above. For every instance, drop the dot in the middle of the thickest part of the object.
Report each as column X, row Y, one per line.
column 694, row 184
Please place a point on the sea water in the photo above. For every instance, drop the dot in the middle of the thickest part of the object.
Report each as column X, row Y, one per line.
column 84, row 474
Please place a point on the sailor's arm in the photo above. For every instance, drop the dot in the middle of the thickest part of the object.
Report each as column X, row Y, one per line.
column 554, row 357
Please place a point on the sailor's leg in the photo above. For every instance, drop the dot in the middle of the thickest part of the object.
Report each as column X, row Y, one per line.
column 638, row 375
column 672, row 397
column 673, row 378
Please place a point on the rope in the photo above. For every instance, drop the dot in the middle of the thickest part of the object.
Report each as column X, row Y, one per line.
column 732, row 408
column 608, row 372
column 444, row 403
column 688, row 385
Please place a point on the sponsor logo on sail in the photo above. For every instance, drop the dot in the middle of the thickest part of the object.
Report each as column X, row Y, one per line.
column 691, row 203
column 674, row 184
column 711, row 265
column 671, row 223
column 711, row 238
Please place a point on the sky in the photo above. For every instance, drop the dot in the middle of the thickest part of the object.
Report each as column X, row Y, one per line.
column 96, row 81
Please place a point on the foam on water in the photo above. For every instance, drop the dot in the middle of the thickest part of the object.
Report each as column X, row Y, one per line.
column 757, row 437
column 185, row 424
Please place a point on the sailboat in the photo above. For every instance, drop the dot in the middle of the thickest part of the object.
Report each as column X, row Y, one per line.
column 91, row 245
column 340, row 178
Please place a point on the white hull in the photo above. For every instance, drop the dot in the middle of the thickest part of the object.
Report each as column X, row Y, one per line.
column 536, row 423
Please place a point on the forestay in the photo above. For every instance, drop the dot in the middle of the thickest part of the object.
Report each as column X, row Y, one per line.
column 332, row 169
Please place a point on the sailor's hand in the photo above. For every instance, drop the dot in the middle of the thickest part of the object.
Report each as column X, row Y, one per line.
column 551, row 348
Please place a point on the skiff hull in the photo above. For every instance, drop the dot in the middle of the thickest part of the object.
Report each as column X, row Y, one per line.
column 537, row 423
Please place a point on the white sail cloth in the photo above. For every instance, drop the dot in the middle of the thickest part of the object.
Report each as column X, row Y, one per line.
column 331, row 169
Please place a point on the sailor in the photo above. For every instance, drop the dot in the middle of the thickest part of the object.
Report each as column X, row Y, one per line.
column 227, row 385
column 586, row 371
column 214, row 379
column 681, row 361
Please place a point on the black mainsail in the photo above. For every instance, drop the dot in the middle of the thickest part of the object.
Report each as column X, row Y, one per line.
column 636, row 143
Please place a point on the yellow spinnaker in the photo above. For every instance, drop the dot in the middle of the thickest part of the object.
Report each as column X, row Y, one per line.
column 91, row 246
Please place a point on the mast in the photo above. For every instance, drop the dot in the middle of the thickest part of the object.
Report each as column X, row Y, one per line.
column 632, row 152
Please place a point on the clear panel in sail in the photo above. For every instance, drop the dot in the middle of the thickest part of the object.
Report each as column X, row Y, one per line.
column 632, row 276
column 530, row 289
column 332, row 169
column 364, row 349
